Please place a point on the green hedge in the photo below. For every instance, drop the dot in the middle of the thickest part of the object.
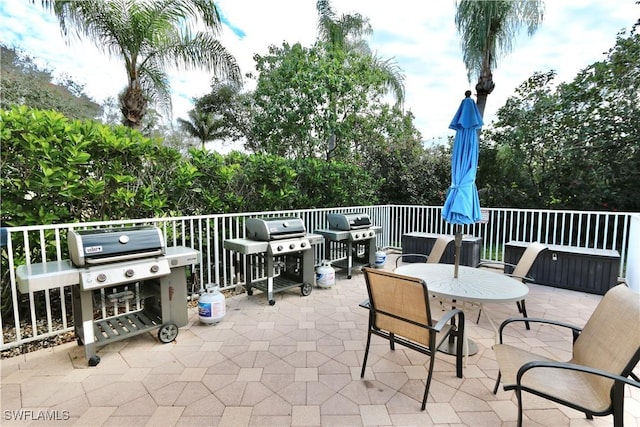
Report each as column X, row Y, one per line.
column 59, row 170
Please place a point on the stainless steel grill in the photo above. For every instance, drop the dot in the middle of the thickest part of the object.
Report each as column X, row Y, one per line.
column 278, row 255
column 350, row 240
column 119, row 265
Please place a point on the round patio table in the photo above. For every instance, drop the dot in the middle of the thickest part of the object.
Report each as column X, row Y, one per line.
column 473, row 285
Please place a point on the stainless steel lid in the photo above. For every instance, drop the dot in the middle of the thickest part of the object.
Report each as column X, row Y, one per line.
column 267, row 229
column 348, row 221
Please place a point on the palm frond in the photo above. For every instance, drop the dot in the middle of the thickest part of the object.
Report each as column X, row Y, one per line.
column 489, row 28
column 395, row 78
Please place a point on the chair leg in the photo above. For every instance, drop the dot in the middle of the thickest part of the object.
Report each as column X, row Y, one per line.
column 479, row 313
column 366, row 353
column 519, row 397
column 522, row 308
column 392, row 343
column 618, row 404
column 495, row 388
column 460, row 353
column 426, row 387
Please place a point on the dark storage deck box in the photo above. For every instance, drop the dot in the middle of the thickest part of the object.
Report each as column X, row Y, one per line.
column 570, row 267
column 422, row 243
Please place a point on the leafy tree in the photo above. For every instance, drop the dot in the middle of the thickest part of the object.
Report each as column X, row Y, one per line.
column 516, row 153
column 149, row 37
column 602, row 154
column 303, row 96
column 22, row 82
column 488, row 29
column 574, row 146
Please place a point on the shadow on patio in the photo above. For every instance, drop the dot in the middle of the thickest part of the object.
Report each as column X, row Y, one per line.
column 295, row 363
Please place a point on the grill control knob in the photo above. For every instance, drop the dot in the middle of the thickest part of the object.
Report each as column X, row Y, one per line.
column 371, row 233
column 155, row 268
column 303, row 244
column 101, row 277
column 292, row 246
column 279, row 248
column 129, row 272
column 357, row 236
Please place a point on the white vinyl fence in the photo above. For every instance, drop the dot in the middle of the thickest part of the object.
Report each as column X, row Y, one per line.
column 45, row 314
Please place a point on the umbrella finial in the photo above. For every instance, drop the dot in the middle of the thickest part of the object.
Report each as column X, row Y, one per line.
column 467, row 94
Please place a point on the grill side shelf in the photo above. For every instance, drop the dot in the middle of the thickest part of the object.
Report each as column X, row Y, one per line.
column 49, row 275
column 246, row 246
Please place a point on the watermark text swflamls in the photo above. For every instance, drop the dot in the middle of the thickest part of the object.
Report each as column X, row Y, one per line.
column 35, row 415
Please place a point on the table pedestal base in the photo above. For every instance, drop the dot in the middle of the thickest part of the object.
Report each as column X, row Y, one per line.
column 449, row 347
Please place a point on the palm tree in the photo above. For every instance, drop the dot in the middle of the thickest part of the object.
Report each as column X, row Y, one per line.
column 150, row 37
column 204, row 126
column 488, row 29
column 346, row 33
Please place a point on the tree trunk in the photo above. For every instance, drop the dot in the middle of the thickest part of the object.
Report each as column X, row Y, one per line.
column 133, row 105
column 484, row 87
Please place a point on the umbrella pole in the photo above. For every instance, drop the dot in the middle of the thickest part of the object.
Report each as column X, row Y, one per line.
column 458, row 243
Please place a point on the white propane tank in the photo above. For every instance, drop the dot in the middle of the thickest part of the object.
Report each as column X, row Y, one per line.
column 325, row 275
column 381, row 258
column 211, row 305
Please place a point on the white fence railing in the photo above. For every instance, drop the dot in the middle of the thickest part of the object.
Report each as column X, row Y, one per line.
column 44, row 314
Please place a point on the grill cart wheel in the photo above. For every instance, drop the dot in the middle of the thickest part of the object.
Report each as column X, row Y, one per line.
column 168, row 333
column 272, row 302
column 306, row 289
column 94, row 360
column 249, row 291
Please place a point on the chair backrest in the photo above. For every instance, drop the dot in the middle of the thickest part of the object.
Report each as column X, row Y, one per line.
column 404, row 299
column 439, row 247
column 610, row 340
column 529, row 256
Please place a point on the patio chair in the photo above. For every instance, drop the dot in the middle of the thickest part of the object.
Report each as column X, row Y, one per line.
column 399, row 312
column 435, row 255
column 605, row 352
column 520, row 271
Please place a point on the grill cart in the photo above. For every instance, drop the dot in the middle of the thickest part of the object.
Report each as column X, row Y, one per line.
column 128, row 273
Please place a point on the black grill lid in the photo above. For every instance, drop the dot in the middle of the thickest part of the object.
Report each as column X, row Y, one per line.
column 102, row 245
column 348, row 221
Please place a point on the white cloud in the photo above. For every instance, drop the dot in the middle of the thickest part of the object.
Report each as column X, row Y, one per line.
column 422, row 38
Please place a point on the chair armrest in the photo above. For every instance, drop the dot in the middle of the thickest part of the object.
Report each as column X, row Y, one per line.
column 365, row 304
column 575, row 329
column 495, row 263
column 522, row 278
column 404, row 255
column 447, row 317
column 573, row 367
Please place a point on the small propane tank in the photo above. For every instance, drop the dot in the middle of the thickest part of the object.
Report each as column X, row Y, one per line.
column 211, row 305
column 325, row 275
column 381, row 258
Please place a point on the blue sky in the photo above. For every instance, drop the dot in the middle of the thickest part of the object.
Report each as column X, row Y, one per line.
column 422, row 39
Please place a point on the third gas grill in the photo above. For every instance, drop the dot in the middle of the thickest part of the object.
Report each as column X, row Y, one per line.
column 350, row 239
column 279, row 255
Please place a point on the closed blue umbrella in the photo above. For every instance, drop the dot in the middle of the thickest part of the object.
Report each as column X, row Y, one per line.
column 462, row 205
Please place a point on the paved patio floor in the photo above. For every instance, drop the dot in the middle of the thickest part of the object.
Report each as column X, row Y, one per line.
column 296, row 363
